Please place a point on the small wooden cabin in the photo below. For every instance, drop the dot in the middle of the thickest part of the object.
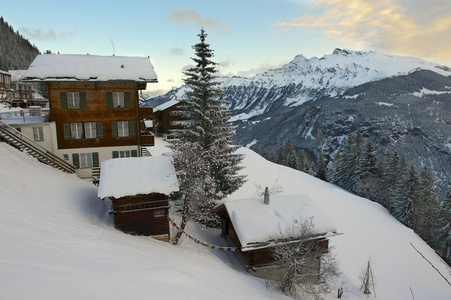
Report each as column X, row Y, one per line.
column 139, row 189
column 251, row 225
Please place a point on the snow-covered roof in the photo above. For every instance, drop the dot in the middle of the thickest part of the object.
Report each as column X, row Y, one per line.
column 256, row 222
column 16, row 74
column 70, row 67
column 165, row 105
column 122, row 177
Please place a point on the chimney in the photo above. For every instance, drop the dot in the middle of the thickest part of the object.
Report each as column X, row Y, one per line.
column 266, row 196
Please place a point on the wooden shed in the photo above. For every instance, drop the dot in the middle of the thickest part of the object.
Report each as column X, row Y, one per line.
column 251, row 225
column 139, row 189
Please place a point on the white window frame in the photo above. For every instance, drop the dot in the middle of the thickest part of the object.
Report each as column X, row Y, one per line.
column 118, row 100
column 161, row 212
column 38, row 134
column 124, row 153
column 76, row 130
column 73, row 100
column 85, row 160
column 122, row 129
column 90, row 130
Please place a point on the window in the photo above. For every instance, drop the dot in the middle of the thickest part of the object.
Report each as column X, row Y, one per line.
column 123, row 154
column 90, row 130
column 38, row 134
column 85, row 160
column 66, row 157
column 73, row 100
column 122, row 128
column 118, row 100
column 159, row 213
column 76, row 130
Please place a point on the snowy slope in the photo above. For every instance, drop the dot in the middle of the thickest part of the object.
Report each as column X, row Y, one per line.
column 57, row 242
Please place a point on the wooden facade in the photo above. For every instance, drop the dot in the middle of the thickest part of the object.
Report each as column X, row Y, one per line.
column 142, row 215
column 258, row 258
column 168, row 120
column 96, row 106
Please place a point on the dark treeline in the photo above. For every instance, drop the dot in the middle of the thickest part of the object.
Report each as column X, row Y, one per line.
column 16, row 52
column 386, row 178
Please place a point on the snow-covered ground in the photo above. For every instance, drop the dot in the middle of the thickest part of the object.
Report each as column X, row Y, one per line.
column 57, row 242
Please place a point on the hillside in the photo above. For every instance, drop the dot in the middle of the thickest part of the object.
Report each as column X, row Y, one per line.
column 16, row 52
column 58, row 242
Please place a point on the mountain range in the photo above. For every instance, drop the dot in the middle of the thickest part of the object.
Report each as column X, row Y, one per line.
column 401, row 103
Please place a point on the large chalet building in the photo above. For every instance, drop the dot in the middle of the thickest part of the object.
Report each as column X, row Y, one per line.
column 94, row 107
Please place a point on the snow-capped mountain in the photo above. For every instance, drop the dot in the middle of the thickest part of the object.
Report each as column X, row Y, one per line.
column 402, row 103
column 303, row 80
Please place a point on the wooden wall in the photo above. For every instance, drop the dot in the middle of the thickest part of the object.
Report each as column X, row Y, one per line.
column 136, row 214
column 96, row 110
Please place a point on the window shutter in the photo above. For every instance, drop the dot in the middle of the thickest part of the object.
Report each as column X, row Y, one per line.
column 127, row 100
column 109, row 100
column 82, row 100
column 95, row 159
column 99, row 129
column 131, row 128
column 66, row 130
column 113, row 129
column 134, row 153
column 63, row 100
column 76, row 160
column 115, row 154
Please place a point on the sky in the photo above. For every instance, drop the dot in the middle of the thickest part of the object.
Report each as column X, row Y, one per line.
column 247, row 36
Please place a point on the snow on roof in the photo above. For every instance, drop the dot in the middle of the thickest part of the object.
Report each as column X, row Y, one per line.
column 122, row 177
column 70, row 67
column 166, row 105
column 257, row 222
column 16, row 74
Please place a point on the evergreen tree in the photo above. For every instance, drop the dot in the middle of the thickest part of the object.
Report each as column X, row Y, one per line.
column 428, row 209
column 321, row 167
column 368, row 162
column 445, row 226
column 407, row 199
column 208, row 117
column 390, row 178
column 346, row 176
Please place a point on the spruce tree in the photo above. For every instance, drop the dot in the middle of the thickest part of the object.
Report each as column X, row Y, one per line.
column 321, row 167
column 407, row 199
column 445, row 226
column 208, row 117
column 429, row 207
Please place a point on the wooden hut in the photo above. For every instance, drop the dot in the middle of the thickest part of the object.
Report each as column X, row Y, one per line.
column 252, row 225
column 139, row 189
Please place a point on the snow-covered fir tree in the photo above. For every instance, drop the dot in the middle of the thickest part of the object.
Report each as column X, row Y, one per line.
column 407, row 199
column 428, row 209
column 197, row 187
column 321, row 167
column 445, row 226
column 208, row 117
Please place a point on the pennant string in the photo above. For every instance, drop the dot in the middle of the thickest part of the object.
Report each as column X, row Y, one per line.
column 213, row 247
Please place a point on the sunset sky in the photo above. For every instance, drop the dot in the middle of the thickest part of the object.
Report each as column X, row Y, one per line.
column 248, row 36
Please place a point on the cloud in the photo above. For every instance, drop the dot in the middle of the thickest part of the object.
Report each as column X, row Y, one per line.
column 177, row 52
column 184, row 16
column 40, row 35
column 417, row 28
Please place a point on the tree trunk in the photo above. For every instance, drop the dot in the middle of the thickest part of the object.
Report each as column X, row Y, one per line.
column 185, row 214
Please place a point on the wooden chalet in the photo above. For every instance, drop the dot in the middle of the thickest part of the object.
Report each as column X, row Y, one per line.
column 252, row 226
column 167, row 119
column 5, row 86
column 139, row 189
column 94, row 105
